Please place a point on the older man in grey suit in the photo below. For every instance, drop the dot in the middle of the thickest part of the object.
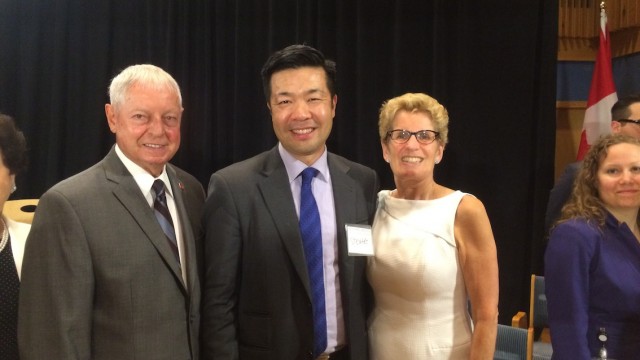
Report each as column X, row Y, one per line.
column 110, row 265
column 266, row 293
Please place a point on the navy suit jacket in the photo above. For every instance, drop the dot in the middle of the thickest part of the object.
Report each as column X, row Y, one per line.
column 560, row 194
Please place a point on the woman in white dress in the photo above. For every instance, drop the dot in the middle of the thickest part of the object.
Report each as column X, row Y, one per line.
column 13, row 159
column 435, row 255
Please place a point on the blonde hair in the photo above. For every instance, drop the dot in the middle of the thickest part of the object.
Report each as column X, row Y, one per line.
column 414, row 102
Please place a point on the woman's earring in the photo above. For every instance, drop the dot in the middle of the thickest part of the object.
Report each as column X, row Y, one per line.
column 13, row 188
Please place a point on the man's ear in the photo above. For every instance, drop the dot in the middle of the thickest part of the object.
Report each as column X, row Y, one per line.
column 615, row 126
column 111, row 115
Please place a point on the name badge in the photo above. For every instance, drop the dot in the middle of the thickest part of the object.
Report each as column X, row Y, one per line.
column 359, row 240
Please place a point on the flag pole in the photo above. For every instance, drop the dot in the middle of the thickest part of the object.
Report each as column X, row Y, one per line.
column 602, row 93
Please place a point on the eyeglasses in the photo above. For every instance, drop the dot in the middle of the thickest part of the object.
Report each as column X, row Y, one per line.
column 637, row 122
column 423, row 136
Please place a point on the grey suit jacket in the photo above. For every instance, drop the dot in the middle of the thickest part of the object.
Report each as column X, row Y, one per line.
column 256, row 299
column 99, row 280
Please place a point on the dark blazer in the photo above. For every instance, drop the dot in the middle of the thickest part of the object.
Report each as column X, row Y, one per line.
column 559, row 195
column 99, row 280
column 256, row 302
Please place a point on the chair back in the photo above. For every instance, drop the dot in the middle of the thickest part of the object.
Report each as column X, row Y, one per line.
column 539, row 320
column 538, row 303
column 513, row 343
column 20, row 210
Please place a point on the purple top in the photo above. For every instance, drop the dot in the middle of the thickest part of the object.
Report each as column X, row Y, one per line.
column 592, row 279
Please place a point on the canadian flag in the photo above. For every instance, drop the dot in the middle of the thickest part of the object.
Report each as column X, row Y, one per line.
column 602, row 94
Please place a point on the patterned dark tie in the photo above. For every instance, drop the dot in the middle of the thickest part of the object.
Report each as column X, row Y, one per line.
column 9, row 287
column 164, row 216
column 312, row 243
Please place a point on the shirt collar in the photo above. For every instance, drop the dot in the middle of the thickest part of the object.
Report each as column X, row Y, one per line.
column 141, row 176
column 294, row 166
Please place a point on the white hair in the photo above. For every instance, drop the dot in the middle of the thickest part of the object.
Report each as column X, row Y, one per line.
column 145, row 75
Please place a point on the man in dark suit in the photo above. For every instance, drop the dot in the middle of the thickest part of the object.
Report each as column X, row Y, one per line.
column 625, row 115
column 257, row 292
column 102, row 279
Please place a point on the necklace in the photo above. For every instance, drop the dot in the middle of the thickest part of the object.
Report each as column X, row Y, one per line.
column 5, row 235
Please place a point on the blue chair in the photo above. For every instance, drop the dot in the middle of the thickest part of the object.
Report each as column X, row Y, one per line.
column 513, row 343
column 539, row 320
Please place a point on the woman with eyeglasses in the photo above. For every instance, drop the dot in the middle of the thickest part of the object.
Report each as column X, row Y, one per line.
column 434, row 248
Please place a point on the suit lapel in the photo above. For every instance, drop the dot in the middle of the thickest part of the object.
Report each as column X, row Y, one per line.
column 344, row 199
column 188, row 241
column 276, row 192
column 127, row 191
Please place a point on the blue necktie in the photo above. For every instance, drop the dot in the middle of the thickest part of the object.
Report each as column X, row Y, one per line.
column 312, row 243
column 163, row 215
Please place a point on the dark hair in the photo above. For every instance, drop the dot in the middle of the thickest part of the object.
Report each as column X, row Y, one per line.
column 620, row 110
column 13, row 145
column 293, row 57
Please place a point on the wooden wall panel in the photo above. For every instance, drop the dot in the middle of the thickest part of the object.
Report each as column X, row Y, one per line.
column 578, row 40
column 579, row 22
column 569, row 118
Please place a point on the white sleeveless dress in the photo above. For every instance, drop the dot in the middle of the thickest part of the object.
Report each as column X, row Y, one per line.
column 421, row 308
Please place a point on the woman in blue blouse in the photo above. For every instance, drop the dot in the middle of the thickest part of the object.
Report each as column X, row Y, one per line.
column 592, row 261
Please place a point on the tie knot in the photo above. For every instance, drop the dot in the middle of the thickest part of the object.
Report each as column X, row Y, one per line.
column 308, row 174
column 158, row 188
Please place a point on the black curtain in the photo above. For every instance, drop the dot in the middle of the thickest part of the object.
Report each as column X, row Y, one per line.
column 491, row 63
